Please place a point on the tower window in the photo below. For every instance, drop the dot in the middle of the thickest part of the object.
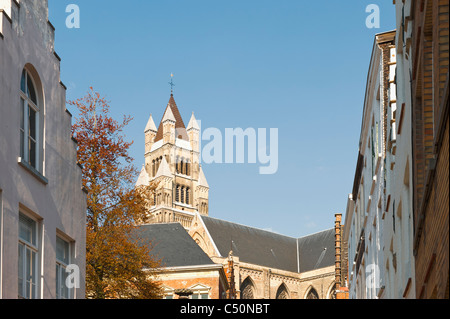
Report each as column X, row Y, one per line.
column 182, row 194
column 177, row 193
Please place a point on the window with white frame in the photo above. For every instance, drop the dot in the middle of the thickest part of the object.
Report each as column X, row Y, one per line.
column 200, row 291
column 62, row 261
column 27, row 257
column 29, row 121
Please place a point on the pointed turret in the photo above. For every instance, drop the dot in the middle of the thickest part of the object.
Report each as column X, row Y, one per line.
column 193, row 130
column 164, row 169
column 168, row 124
column 202, row 179
column 150, row 133
column 143, row 179
column 193, row 125
column 150, row 125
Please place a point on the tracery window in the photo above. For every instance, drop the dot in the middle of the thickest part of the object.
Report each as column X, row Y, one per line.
column 247, row 289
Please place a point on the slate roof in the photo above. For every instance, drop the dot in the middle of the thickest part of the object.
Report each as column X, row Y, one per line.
column 269, row 249
column 173, row 245
column 317, row 250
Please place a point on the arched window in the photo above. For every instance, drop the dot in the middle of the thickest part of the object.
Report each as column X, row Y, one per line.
column 177, row 165
column 282, row 292
column 247, row 289
column 187, row 195
column 29, row 121
column 312, row 294
column 182, row 194
column 182, row 166
column 187, row 168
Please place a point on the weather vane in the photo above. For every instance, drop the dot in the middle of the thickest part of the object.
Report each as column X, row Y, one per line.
column 171, row 83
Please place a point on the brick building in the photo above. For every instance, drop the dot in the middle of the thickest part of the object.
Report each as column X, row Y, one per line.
column 426, row 25
column 185, row 265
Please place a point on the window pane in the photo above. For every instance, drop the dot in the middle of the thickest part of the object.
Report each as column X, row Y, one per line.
column 27, row 229
column 204, row 296
column 57, row 280
column 23, row 82
column 62, row 250
column 21, row 269
column 32, row 123
column 31, row 91
column 22, row 128
column 30, row 273
column 32, row 152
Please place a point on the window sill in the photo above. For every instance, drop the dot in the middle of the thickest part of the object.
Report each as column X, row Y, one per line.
column 33, row 171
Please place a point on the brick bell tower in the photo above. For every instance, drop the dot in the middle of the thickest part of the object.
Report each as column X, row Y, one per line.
column 172, row 162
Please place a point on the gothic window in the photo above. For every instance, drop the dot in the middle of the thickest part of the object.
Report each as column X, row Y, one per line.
column 187, row 168
column 312, row 294
column 181, row 166
column 332, row 294
column 29, row 121
column 182, row 194
column 247, row 289
column 282, row 292
column 177, row 164
column 187, row 195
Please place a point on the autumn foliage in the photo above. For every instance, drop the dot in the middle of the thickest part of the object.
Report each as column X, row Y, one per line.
column 118, row 265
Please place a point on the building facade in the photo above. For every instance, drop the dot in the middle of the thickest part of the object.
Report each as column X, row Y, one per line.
column 42, row 205
column 423, row 27
column 410, row 255
column 378, row 225
column 185, row 266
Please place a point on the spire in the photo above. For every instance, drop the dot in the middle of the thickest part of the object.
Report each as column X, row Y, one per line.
column 179, row 124
column 164, row 169
column 150, row 125
column 193, row 123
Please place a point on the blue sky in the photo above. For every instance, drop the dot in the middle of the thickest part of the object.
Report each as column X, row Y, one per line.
column 299, row 66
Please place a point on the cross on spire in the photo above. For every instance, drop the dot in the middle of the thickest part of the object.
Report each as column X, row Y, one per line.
column 171, row 83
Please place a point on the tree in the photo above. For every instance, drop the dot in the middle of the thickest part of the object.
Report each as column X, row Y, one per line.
column 118, row 264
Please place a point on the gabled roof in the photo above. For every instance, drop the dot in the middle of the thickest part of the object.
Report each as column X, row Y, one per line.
column 317, row 250
column 173, row 245
column 269, row 249
column 179, row 124
column 253, row 245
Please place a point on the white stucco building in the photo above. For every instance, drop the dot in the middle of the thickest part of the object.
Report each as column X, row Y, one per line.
column 378, row 222
column 42, row 205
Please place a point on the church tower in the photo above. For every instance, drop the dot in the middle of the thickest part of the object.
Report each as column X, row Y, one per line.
column 172, row 161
